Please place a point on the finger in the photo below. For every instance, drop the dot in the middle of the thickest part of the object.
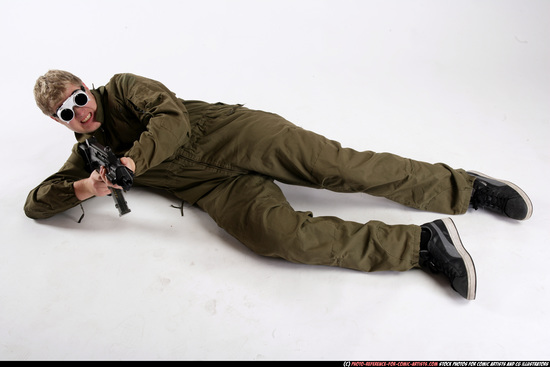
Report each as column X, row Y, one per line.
column 103, row 175
column 129, row 163
column 95, row 176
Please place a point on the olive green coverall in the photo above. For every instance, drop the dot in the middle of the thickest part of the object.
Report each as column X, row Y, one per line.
column 225, row 158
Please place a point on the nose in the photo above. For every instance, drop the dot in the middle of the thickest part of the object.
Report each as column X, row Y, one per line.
column 78, row 112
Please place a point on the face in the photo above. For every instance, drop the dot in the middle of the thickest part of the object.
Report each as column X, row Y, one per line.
column 84, row 117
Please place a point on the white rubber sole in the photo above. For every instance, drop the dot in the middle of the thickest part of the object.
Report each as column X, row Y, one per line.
column 470, row 268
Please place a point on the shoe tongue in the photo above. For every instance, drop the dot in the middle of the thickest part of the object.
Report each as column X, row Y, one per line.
column 425, row 237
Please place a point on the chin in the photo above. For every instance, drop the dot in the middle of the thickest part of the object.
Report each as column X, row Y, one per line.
column 91, row 126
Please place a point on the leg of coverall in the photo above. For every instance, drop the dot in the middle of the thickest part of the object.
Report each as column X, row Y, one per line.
column 253, row 209
column 268, row 144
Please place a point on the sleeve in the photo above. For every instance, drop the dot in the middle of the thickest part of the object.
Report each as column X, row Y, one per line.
column 56, row 193
column 166, row 118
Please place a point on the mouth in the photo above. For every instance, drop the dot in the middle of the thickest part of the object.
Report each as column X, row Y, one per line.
column 87, row 118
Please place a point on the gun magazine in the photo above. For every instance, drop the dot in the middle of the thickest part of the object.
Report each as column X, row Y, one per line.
column 120, row 202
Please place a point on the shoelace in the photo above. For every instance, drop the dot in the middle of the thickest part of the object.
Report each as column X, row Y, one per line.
column 488, row 198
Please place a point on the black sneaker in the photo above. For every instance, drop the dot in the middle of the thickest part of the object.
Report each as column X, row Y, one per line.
column 500, row 196
column 443, row 252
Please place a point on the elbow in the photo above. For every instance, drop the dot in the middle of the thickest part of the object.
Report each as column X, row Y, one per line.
column 34, row 213
column 35, row 210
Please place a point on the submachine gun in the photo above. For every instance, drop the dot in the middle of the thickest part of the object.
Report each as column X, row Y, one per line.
column 96, row 156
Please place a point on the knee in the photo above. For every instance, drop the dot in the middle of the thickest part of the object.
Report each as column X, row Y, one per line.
column 276, row 232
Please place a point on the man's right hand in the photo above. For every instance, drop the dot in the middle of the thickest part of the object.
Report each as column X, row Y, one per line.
column 95, row 185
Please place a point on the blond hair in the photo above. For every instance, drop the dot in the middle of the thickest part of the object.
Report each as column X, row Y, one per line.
column 50, row 87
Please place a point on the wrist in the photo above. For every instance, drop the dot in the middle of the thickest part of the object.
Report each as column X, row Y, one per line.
column 82, row 189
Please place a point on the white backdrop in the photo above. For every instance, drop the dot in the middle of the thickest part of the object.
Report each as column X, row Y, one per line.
column 461, row 82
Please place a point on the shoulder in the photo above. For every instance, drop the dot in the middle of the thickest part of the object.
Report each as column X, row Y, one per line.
column 131, row 80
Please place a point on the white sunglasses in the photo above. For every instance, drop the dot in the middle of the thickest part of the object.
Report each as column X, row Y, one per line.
column 78, row 98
